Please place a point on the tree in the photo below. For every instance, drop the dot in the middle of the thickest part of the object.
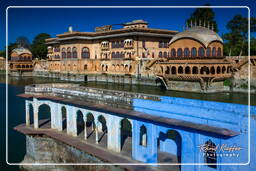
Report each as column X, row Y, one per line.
column 39, row 48
column 203, row 15
column 23, row 42
column 236, row 41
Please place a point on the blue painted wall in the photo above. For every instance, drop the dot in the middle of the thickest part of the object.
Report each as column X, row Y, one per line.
column 224, row 115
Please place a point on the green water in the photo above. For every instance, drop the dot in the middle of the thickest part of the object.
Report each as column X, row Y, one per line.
column 16, row 108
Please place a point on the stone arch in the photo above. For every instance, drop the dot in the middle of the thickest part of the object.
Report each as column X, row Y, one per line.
column 31, row 113
column 218, row 70
column 90, row 125
column 143, row 136
column 126, row 135
column 64, row 117
column 173, row 70
column 44, row 116
column 223, row 69
column 102, row 129
column 162, row 69
column 170, row 142
column 180, row 70
column 187, row 70
column 195, row 70
column 210, row 156
column 204, row 70
column 167, row 71
column 79, row 123
column 130, row 68
column 212, row 70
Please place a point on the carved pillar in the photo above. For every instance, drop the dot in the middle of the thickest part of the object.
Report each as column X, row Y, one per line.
column 27, row 114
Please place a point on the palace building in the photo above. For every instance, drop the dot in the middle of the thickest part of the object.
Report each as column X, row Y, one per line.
column 137, row 54
column 21, row 61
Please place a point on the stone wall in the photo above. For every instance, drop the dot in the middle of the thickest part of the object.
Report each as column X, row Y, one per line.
column 121, row 99
column 47, row 150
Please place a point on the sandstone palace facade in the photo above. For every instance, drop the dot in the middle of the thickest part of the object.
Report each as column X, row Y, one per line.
column 136, row 54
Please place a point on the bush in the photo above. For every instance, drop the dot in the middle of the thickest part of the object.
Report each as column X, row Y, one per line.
column 227, row 82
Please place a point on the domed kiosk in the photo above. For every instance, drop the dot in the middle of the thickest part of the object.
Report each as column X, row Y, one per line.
column 196, row 61
column 21, row 62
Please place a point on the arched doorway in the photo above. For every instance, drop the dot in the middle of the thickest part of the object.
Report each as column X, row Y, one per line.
column 44, row 116
column 210, row 156
column 90, row 127
column 64, row 118
column 31, row 114
column 126, row 137
column 169, row 148
column 79, row 124
column 102, row 130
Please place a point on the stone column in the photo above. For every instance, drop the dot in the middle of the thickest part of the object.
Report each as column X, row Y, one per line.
column 27, row 114
column 114, row 133
column 35, row 116
column 96, row 133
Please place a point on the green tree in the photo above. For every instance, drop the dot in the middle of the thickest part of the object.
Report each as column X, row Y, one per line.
column 39, row 48
column 236, row 41
column 203, row 15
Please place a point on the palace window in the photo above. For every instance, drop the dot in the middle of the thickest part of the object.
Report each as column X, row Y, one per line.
column 208, row 51
column 193, row 52
column 165, row 55
column 180, row 70
column 210, row 154
column 219, row 52
column 160, row 55
column 201, row 52
column 173, row 53
column 85, row 53
column 74, row 52
column 113, row 54
column 179, row 52
column 194, row 70
column 63, row 53
column 153, row 55
column 68, row 52
column 163, row 44
column 214, row 51
column 143, row 136
column 186, row 52
column 173, row 70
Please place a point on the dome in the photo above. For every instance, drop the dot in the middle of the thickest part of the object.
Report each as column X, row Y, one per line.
column 201, row 34
column 21, row 50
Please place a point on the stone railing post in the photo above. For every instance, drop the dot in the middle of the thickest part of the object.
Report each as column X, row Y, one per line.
column 27, row 114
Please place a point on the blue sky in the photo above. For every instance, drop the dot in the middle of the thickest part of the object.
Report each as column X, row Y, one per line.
column 29, row 22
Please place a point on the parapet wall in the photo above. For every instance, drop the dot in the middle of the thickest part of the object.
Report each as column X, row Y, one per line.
column 121, row 99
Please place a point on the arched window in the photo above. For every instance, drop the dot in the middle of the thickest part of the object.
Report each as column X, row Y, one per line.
column 218, row 70
column 219, row 52
column 180, row 70
column 74, row 52
column 187, row 70
column 173, row 70
column 194, row 70
column 85, row 67
column 179, row 52
column 113, row 54
column 68, row 52
column 143, row 136
column 193, row 52
column 117, row 55
column 173, row 53
column 186, row 52
column 204, row 70
column 85, row 53
column 153, row 55
column 214, row 51
column 208, row 52
column 165, row 54
column 63, row 53
column 167, row 71
column 212, row 70
column 210, row 155
column 223, row 69
column 201, row 52
column 160, row 55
